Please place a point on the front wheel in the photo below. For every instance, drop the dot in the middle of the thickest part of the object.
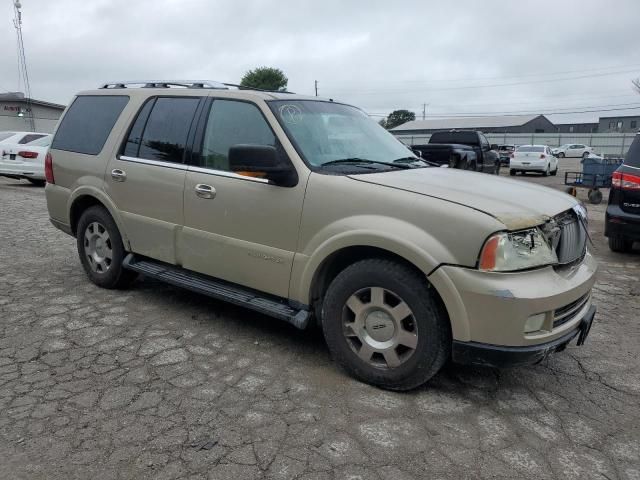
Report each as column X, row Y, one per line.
column 595, row 196
column 561, row 155
column 512, row 172
column 384, row 326
column 36, row 182
column 101, row 249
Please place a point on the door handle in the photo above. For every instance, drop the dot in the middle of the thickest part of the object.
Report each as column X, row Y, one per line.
column 118, row 175
column 205, row 191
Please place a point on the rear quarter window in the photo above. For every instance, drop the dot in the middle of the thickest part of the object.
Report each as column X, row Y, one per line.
column 88, row 122
column 633, row 155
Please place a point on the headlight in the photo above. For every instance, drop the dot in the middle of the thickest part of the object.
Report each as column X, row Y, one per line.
column 511, row 251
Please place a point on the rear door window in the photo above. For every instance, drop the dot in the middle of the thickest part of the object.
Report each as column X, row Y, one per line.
column 165, row 134
column 88, row 122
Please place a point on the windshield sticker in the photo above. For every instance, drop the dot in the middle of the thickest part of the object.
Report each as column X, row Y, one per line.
column 291, row 114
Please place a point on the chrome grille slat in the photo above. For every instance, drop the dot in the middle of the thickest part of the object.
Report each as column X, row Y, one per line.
column 567, row 313
column 572, row 241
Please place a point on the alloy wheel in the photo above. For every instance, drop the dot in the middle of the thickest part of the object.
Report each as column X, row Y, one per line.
column 97, row 247
column 380, row 327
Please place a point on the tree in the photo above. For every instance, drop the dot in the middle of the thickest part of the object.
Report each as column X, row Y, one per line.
column 636, row 84
column 398, row 117
column 265, row 78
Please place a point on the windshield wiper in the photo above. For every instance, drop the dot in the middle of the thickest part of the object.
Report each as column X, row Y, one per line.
column 357, row 160
column 415, row 160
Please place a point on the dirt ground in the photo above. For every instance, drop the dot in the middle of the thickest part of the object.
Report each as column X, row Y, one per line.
column 157, row 382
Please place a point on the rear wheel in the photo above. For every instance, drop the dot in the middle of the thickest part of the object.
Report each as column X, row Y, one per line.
column 595, row 196
column 512, row 172
column 547, row 172
column 561, row 155
column 585, row 154
column 620, row 244
column 383, row 325
column 37, row 183
column 101, row 249
column 555, row 172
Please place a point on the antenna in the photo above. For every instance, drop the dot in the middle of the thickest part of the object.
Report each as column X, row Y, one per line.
column 22, row 62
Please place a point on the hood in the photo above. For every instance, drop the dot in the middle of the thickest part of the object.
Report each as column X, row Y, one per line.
column 516, row 204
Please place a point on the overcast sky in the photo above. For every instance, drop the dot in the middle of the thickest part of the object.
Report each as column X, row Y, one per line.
column 458, row 57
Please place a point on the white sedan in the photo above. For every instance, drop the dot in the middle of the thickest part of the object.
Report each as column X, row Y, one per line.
column 573, row 150
column 25, row 160
column 533, row 158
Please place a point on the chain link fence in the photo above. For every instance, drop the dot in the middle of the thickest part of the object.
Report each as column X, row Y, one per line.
column 606, row 144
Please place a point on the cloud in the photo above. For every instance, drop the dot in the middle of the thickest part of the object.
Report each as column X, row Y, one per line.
column 378, row 55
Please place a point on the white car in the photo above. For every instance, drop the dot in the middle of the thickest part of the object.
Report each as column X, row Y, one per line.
column 533, row 158
column 25, row 160
column 572, row 150
column 20, row 138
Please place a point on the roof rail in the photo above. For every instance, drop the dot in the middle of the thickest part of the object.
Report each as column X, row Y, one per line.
column 243, row 87
column 165, row 84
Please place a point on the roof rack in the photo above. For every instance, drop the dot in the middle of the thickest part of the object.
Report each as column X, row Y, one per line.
column 182, row 84
column 166, row 84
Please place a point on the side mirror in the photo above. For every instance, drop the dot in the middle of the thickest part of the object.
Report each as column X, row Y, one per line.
column 261, row 161
column 494, row 146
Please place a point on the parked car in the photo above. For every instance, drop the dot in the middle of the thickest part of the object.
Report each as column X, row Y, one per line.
column 572, row 150
column 622, row 219
column 257, row 198
column 504, row 152
column 20, row 138
column 25, row 160
column 454, row 147
column 533, row 158
column 462, row 157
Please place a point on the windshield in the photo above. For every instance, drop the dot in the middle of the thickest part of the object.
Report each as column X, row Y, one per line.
column 325, row 132
column 529, row 148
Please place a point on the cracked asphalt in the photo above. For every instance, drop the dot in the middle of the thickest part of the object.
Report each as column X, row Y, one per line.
column 157, row 382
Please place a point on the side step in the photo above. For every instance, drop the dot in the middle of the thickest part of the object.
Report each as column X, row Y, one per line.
column 218, row 289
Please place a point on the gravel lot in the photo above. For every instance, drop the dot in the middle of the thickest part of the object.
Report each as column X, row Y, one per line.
column 156, row 382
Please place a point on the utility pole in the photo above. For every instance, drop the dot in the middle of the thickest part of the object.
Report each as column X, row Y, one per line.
column 316, row 88
column 424, row 110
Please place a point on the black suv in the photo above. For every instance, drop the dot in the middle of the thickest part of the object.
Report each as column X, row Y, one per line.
column 622, row 222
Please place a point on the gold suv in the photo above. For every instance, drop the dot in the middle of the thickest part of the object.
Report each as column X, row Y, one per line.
column 306, row 210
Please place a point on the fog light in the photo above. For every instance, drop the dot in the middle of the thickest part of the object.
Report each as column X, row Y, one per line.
column 534, row 323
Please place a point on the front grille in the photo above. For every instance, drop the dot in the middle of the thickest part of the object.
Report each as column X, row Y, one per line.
column 568, row 236
column 567, row 313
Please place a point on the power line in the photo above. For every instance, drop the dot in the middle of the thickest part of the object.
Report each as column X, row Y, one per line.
column 515, row 114
column 524, row 75
column 468, row 87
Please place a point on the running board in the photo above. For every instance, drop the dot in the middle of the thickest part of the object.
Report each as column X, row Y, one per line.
column 218, row 289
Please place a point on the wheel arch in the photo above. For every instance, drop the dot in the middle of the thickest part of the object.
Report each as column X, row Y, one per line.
column 84, row 198
column 343, row 257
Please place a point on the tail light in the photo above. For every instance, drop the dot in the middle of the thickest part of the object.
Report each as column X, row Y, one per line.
column 27, row 154
column 543, row 156
column 625, row 181
column 48, row 168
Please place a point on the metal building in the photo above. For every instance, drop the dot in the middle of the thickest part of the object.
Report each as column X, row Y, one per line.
column 16, row 112
column 621, row 124
column 490, row 124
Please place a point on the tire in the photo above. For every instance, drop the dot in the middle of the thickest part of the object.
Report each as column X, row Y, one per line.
column 555, row 172
column 585, row 154
column 619, row 244
column 512, row 172
column 423, row 336
column 547, row 172
column 497, row 168
column 595, row 197
column 92, row 242
column 37, row 183
column 561, row 155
